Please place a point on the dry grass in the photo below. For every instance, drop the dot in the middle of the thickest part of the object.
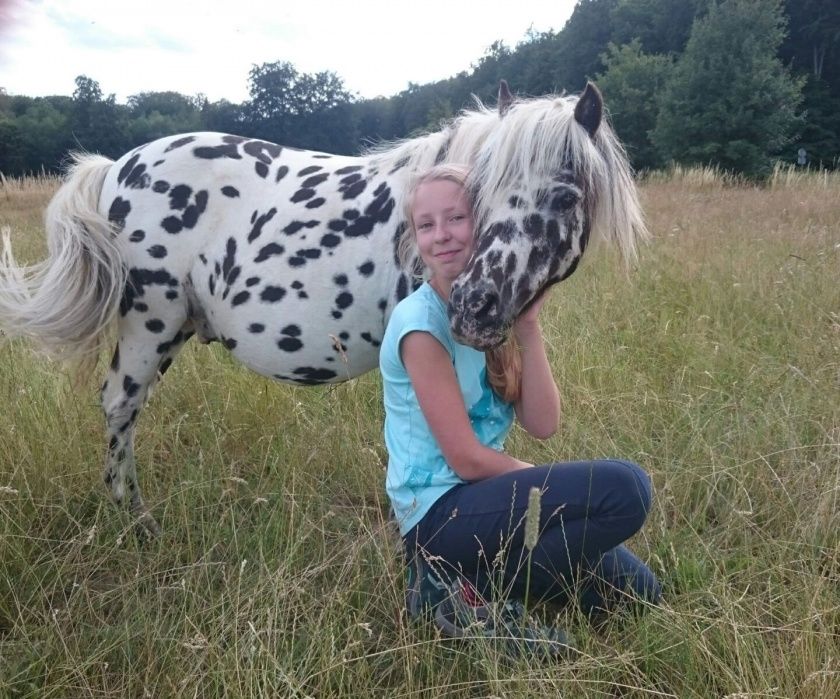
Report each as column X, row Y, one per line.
column 716, row 364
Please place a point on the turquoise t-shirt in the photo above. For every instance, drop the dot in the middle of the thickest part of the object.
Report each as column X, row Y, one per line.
column 417, row 472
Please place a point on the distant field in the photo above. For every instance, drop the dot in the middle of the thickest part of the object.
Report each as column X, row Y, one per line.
column 715, row 364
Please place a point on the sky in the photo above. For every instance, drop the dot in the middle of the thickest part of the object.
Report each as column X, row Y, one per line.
column 375, row 46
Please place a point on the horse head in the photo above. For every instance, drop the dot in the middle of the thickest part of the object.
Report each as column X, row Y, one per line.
column 550, row 176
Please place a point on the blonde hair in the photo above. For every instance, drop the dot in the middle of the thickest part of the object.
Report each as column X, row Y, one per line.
column 504, row 363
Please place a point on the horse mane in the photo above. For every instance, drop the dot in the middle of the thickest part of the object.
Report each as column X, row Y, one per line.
column 527, row 146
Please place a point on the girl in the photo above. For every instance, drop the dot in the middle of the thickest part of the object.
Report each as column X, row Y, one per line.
column 460, row 500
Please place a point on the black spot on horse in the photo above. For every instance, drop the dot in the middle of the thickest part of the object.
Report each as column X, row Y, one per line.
column 291, row 330
column 229, row 150
column 353, row 190
column 297, row 284
column 115, row 360
column 366, row 268
column 263, row 151
column 344, row 335
column 179, row 197
column 127, row 168
column 301, row 256
column 252, row 281
column 313, row 375
column 130, row 387
column 138, row 280
column 341, row 279
column 347, row 170
column 351, row 214
column 289, row 344
column 256, row 229
column 309, row 170
column 361, row 226
column 282, row 171
column 240, row 298
column 256, row 328
column 261, row 169
column 302, row 195
column 337, row 224
column 272, row 294
column 171, row 294
column 179, row 142
column 296, row 226
column 510, row 263
column 516, row 202
column 367, row 337
column 160, row 187
column 157, row 251
column 164, row 365
column 164, row 347
column 401, row 163
column 120, row 208
column 268, row 251
column 315, row 203
column 137, row 236
column 172, row 224
column 330, row 240
column 229, row 191
column 155, row 325
column 402, row 287
column 315, row 180
column 534, row 226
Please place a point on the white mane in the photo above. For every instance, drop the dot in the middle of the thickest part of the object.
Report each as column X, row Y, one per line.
column 534, row 140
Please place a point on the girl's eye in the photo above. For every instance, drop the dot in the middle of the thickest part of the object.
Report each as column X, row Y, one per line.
column 424, row 226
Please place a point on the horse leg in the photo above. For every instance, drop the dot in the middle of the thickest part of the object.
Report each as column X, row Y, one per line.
column 144, row 352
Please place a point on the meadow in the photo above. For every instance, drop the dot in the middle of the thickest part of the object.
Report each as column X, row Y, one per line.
column 714, row 363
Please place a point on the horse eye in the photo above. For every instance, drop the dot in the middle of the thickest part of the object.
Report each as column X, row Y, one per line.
column 564, row 199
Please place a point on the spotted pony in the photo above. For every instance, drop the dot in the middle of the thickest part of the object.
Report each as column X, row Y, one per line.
column 289, row 257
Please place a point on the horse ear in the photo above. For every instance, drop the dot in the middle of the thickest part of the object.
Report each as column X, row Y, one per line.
column 505, row 98
column 589, row 109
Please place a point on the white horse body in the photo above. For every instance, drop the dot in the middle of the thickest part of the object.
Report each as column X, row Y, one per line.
column 266, row 275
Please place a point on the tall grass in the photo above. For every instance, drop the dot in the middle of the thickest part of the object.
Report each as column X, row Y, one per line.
column 715, row 364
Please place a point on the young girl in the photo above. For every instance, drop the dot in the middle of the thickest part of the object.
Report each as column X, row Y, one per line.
column 460, row 500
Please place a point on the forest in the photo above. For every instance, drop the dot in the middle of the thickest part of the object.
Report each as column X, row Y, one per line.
column 738, row 85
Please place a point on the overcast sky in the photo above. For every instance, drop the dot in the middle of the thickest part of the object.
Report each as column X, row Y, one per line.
column 376, row 46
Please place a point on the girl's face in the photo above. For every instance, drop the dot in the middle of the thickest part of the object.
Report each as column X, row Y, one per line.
column 443, row 226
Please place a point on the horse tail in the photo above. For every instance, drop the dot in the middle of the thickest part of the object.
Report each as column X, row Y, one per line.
column 67, row 302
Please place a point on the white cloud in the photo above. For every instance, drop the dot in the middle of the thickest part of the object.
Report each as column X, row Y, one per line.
column 375, row 46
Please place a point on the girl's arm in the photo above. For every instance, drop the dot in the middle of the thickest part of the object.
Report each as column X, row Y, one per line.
column 538, row 407
column 433, row 377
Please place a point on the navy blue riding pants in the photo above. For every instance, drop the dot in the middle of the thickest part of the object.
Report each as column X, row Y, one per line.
column 587, row 510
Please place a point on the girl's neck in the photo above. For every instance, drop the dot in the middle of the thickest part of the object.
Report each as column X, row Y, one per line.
column 441, row 287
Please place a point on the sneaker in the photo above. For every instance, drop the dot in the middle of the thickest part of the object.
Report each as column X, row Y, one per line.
column 425, row 591
column 507, row 625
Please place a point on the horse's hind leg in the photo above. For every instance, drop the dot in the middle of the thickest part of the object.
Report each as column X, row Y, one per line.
column 145, row 350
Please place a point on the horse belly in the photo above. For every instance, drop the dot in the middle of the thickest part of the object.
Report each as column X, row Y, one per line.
column 315, row 325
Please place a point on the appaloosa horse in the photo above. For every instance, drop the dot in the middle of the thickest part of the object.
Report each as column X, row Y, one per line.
column 288, row 257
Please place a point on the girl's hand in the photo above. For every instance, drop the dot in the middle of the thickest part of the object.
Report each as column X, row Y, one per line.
column 530, row 318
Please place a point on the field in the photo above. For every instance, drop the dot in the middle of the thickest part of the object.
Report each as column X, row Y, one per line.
column 715, row 363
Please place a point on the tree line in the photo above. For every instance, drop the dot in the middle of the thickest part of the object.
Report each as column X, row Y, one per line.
column 737, row 84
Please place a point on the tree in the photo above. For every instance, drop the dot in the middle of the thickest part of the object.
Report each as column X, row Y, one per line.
column 632, row 86
column 98, row 124
column 730, row 102
column 660, row 26
column 298, row 109
column 157, row 114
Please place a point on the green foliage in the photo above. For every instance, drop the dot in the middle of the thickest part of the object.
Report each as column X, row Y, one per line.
column 729, row 101
column 298, row 109
column 632, row 86
column 660, row 26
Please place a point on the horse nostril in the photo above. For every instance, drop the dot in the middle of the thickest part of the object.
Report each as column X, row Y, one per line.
column 488, row 308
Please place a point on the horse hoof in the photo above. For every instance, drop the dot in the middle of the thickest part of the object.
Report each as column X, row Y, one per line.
column 147, row 527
